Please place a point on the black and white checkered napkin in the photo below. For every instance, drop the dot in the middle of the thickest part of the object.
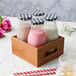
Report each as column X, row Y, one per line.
column 50, row 17
column 25, row 16
column 37, row 21
column 38, row 13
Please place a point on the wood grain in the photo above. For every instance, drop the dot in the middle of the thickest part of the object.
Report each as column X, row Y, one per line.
column 37, row 56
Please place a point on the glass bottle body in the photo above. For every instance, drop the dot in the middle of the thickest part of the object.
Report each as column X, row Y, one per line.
column 51, row 30
column 23, row 29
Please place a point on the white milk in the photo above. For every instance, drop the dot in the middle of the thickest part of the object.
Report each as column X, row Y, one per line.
column 51, row 30
column 23, row 29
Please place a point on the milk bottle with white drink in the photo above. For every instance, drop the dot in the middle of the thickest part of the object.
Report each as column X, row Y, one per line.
column 50, row 27
column 24, row 26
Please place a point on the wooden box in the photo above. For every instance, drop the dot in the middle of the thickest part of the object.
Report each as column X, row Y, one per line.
column 40, row 55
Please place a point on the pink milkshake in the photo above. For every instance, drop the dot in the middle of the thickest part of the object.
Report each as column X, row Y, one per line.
column 37, row 37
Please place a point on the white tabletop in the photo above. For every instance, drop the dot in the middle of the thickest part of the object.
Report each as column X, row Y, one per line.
column 11, row 64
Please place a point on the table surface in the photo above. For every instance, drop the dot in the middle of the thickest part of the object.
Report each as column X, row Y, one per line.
column 11, row 64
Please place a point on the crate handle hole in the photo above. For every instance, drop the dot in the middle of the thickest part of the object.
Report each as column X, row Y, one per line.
column 51, row 51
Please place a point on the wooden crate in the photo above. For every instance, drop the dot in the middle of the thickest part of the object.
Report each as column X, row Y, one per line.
column 40, row 55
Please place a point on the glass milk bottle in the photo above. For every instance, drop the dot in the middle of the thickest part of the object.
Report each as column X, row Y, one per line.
column 50, row 27
column 38, row 13
column 24, row 26
column 37, row 36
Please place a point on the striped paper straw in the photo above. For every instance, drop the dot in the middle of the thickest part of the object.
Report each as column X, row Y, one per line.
column 37, row 72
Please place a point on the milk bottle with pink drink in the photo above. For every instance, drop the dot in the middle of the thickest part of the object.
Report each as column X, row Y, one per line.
column 37, row 36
